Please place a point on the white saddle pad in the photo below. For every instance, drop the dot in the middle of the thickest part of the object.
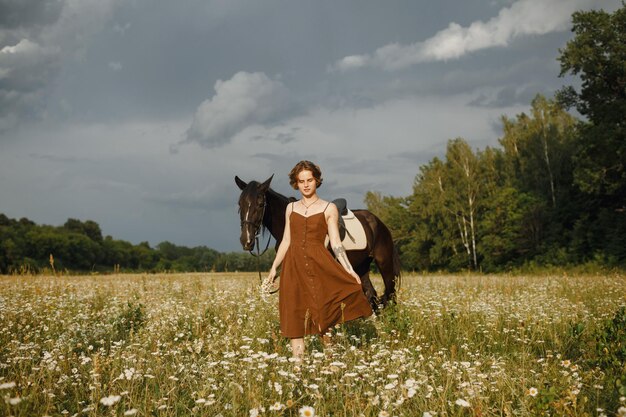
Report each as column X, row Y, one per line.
column 355, row 238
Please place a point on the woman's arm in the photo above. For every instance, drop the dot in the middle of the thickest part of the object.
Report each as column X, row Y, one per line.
column 282, row 248
column 332, row 219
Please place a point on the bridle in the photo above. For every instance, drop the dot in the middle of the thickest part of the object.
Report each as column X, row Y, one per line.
column 258, row 227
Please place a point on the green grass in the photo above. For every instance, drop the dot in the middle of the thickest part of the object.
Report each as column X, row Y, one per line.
column 207, row 344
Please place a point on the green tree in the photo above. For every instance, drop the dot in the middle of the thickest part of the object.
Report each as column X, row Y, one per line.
column 507, row 237
column 444, row 206
column 89, row 228
column 538, row 149
column 425, row 245
column 117, row 252
column 461, row 193
column 394, row 212
column 81, row 253
column 144, row 257
column 79, row 246
column 537, row 160
column 597, row 54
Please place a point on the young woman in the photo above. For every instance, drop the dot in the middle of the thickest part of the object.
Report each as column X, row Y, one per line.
column 316, row 291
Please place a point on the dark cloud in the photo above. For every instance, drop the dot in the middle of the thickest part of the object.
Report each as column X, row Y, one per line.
column 507, row 97
column 421, row 157
column 206, row 200
column 497, row 127
column 346, row 165
column 58, row 158
column 30, row 14
column 25, row 71
column 287, row 159
column 281, row 137
column 36, row 37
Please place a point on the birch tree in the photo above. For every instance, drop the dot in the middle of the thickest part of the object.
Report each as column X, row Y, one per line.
column 463, row 188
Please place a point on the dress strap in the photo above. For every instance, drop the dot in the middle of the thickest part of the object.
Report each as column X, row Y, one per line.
column 326, row 207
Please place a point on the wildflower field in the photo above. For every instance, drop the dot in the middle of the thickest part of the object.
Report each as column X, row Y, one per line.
column 209, row 345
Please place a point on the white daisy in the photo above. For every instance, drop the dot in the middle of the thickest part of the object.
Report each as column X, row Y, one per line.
column 307, row 411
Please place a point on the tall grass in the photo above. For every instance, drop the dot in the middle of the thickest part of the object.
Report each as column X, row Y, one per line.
column 207, row 345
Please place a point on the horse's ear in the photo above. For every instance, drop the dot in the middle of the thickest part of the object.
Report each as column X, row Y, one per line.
column 240, row 183
column 266, row 185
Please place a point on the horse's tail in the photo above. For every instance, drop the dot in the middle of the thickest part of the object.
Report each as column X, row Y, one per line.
column 396, row 266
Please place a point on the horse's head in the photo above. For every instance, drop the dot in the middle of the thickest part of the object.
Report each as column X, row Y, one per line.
column 251, row 209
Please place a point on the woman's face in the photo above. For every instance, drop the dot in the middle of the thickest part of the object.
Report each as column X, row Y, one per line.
column 306, row 183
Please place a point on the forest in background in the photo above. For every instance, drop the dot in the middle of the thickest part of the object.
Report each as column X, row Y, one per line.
column 77, row 246
column 552, row 194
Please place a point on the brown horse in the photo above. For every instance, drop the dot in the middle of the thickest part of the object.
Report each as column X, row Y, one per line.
column 260, row 206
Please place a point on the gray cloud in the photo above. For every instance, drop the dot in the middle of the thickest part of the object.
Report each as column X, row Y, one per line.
column 479, row 79
column 281, row 137
column 243, row 100
column 28, row 13
column 522, row 18
column 421, row 157
column 25, row 69
column 370, row 166
column 78, row 22
column 507, row 97
column 207, row 199
column 34, row 38
column 58, row 158
column 115, row 65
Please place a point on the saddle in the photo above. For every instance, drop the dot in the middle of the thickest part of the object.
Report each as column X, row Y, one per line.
column 351, row 231
column 342, row 207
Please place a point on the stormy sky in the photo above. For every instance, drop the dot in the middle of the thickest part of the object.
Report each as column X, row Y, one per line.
column 138, row 114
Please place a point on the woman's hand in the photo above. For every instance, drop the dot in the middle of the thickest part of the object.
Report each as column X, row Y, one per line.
column 271, row 276
column 267, row 286
column 356, row 276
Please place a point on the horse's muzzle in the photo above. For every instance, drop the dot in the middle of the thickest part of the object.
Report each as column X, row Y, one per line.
column 247, row 244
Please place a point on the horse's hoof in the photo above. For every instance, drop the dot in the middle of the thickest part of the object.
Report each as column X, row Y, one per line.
column 374, row 303
column 385, row 300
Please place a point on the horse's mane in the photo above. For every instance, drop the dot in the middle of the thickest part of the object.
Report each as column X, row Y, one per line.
column 272, row 213
column 279, row 196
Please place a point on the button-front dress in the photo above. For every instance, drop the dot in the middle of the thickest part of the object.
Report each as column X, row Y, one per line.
column 316, row 292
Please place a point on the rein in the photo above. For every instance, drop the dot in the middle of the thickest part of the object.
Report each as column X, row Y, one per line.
column 258, row 255
column 258, row 228
column 257, row 233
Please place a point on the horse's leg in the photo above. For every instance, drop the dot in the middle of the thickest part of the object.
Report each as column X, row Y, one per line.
column 389, row 279
column 386, row 258
column 381, row 249
column 363, row 270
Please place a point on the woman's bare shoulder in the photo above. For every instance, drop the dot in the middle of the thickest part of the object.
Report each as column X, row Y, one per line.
column 331, row 208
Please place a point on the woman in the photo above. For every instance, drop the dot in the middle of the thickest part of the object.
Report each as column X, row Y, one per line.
column 316, row 292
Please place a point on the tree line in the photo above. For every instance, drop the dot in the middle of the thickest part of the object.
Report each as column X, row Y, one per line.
column 552, row 193
column 78, row 246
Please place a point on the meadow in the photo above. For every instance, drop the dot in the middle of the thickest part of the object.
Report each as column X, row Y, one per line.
column 209, row 345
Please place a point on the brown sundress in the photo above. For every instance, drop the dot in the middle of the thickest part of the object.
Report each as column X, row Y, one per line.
column 316, row 292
